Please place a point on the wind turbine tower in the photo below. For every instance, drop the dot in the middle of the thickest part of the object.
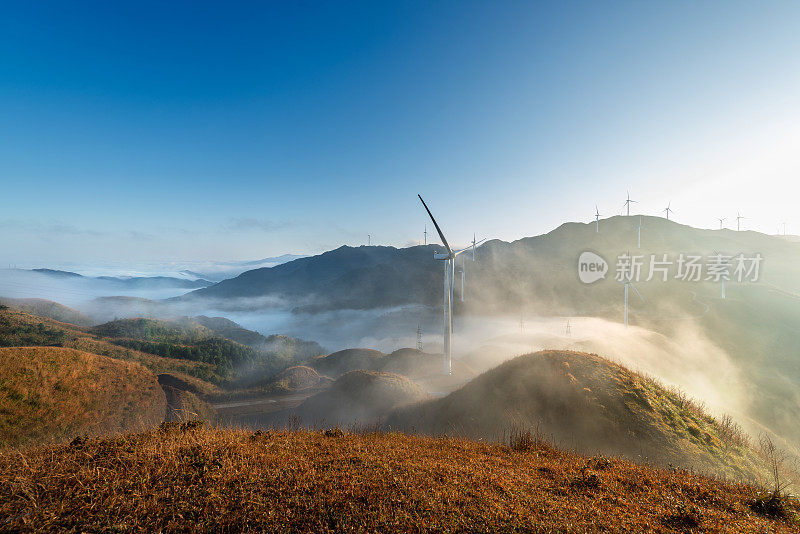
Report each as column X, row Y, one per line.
column 669, row 209
column 369, row 240
column 739, row 221
column 569, row 329
column 722, row 278
column 473, row 245
column 640, row 232
column 628, row 203
column 448, row 260
column 597, row 218
column 721, row 220
column 627, row 283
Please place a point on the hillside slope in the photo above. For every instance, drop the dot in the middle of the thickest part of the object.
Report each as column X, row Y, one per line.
column 19, row 329
column 584, row 401
column 194, row 479
column 361, row 397
column 188, row 339
column 56, row 393
column 347, row 277
column 49, row 309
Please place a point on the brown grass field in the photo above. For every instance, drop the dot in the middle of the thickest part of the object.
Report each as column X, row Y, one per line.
column 53, row 393
column 194, row 479
column 585, row 402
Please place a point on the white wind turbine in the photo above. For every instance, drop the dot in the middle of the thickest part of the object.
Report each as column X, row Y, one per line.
column 627, row 283
column 628, row 203
column 722, row 278
column 449, row 275
column 669, row 209
column 464, row 264
column 597, row 217
column 739, row 218
column 721, row 220
column 462, row 284
column 640, row 232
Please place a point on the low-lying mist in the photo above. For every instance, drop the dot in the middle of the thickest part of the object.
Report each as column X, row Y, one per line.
column 75, row 291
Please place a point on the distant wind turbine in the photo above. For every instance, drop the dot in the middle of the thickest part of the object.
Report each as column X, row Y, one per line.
column 669, row 209
column 739, row 218
column 597, row 217
column 721, row 220
column 449, row 275
column 640, row 232
column 722, row 278
column 462, row 284
column 628, row 203
column 369, row 240
column 425, row 233
column 569, row 329
column 784, row 228
column 627, row 283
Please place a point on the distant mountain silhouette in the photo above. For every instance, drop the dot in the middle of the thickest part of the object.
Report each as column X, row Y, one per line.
column 535, row 274
column 348, row 277
column 130, row 282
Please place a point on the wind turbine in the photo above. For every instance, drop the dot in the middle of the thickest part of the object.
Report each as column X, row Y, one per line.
column 669, row 209
column 475, row 243
column 738, row 221
column 721, row 220
column 597, row 218
column 628, row 203
column 449, row 275
column 640, row 232
column 569, row 329
column 369, row 240
column 627, row 283
column 425, row 233
column 784, row 228
column 462, row 284
column 722, row 278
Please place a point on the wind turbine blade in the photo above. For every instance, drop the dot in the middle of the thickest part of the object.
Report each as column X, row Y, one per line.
column 444, row 241
column 636, row 291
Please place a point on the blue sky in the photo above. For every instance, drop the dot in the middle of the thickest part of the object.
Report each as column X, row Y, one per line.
column 158, row 131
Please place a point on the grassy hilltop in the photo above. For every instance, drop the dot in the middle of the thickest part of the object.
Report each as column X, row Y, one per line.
column 189, row 478
column 47, row 393
column 589, row 403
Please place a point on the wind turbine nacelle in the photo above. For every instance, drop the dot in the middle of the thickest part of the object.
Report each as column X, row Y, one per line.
column 438, row 256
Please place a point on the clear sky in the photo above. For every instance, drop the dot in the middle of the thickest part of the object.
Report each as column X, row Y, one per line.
column 221, row 131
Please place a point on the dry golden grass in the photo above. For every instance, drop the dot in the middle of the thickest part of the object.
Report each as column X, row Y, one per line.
column 586, row 402
column 183, row 405
column 190, row 478
column 52, row 393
